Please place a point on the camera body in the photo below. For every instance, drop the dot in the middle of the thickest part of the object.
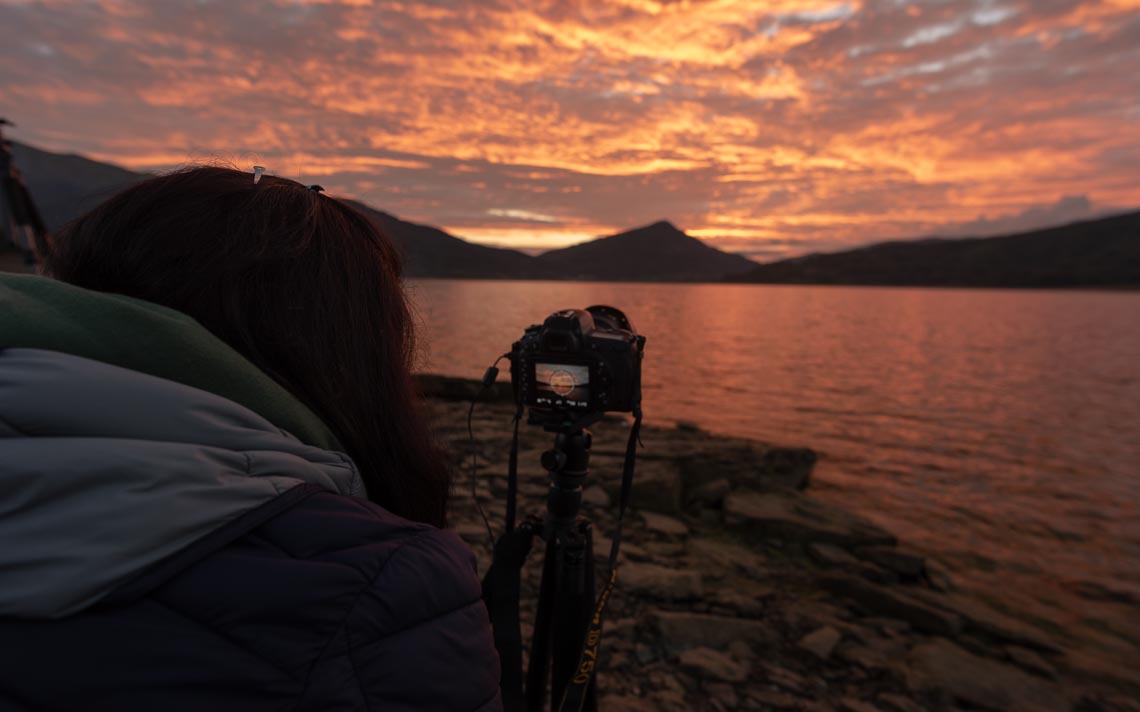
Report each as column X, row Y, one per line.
column 576, row 366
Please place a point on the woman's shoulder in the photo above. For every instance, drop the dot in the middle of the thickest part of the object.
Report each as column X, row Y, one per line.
column 408, row 621
column 358, row 535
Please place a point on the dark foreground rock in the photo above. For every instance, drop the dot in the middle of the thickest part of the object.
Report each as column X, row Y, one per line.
column 739, row 590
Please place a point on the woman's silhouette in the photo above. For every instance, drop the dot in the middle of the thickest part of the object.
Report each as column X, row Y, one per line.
column 217, row 488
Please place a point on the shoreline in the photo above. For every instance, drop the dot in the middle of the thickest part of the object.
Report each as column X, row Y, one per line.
column 738, row 589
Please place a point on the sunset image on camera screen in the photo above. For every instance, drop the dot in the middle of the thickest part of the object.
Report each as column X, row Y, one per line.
column 563, row 384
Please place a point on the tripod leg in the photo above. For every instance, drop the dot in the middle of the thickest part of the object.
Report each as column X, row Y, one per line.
column 538, row 668
column 575, row 606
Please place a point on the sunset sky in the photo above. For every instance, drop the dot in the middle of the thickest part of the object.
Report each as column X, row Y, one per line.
column 767, row 128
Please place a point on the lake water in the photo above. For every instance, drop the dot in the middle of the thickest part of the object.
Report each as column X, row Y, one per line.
column 997, row 430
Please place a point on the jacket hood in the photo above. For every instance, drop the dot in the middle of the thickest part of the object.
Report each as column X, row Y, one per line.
column 105, row 471
column 128, row 432
column 41, row 313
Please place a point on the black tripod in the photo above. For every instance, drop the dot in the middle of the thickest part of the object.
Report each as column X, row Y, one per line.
column 567, row 575
column 566, row 591
column 566, row 598
column 568, row 625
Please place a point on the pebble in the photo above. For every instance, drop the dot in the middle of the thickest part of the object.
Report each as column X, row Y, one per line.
column 821, row 643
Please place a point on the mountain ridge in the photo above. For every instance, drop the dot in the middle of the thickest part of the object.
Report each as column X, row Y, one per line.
column 1102, row 252
column 66, row 185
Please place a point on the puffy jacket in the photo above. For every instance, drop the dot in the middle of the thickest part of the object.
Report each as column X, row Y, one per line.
column 177, row 532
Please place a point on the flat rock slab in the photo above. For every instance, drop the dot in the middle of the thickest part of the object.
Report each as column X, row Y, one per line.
column 656, row 488
column 719, row 554
column 661, row 524
column 793, row 516
column 831, row 555
column 747, row 464
column 660, row 582
column 981, row 618
column 982, row 682
column 887, row 601
column 681, row 631
column 708, row 664
column 909, row 566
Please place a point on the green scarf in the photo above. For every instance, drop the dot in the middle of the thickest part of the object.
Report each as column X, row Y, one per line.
column 42, row 313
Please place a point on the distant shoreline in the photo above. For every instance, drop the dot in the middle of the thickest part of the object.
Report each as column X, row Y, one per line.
column 956, row 287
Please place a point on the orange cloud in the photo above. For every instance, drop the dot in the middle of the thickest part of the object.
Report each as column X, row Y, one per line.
column 769, row 128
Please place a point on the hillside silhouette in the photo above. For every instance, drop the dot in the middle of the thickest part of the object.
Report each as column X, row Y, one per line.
column 1093, row 253
column 65, row 186
column 657, row 252
column 431, row 252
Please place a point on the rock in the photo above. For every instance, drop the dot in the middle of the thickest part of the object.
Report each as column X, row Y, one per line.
column 626, row 703
column 774, row 699
column 726, row 556
column 741, row 651
column 595, row 496
column 656, row 488
column 706, row 664
column 940, row 665
column 795, row 517
column 909, row 567
column 863, row 656
column 660, row 581
column 830, row 555
column 980, row 618
column 884, row 601
column 822, row 642
column 670, row 701
column 664, row 525
column 688, row 426
column 744, row 463
column 644, row 654
column 723, row 694
column 746, row 604
column 937, row 577
column 709, row 494
column 680, row 630
column 710, row 517
column 898, row 703
column 786, row 679
column 461, row 389
column 886, row 625
column 1031, row 661
column 849, row 705
column 787, row 467
column 472, row 532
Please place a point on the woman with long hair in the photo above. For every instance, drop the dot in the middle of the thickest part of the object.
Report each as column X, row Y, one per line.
column 218, row 489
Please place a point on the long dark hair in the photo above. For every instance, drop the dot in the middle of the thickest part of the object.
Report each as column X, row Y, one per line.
column 299, row 283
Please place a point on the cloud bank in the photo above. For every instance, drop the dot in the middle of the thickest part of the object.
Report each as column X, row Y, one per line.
column 771, row 128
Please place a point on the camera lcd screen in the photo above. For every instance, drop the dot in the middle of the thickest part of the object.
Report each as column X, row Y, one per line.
column 562, row 385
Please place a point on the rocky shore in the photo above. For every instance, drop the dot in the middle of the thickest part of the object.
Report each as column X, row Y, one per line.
column 739, row 590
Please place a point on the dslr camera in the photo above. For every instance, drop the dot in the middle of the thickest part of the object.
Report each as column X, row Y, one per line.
column 577, row 365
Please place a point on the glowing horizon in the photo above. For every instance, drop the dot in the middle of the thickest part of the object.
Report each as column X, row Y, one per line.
column 770, row 129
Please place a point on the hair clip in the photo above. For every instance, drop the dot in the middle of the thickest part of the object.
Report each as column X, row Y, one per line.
column 317, row 188
column 257, row 171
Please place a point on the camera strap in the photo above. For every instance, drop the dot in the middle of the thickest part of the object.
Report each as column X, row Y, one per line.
column 575, row 696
